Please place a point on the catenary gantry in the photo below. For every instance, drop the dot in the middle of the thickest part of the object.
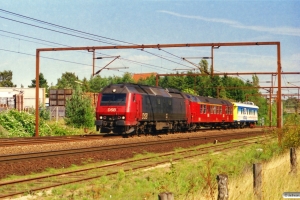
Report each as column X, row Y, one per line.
column 160, row 46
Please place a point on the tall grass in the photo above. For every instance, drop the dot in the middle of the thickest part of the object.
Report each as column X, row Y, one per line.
column 276, row 180
column 187, row 179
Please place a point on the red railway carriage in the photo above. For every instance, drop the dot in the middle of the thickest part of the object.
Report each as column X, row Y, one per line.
column 209, row 112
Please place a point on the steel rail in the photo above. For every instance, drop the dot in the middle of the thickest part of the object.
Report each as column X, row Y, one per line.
column 10, row 192
column 68, row 152
column 42, row 140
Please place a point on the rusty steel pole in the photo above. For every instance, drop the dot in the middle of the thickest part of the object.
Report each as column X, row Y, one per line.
column 37, row 84
column 212, row 61
column 93, row 72
column 279, row 113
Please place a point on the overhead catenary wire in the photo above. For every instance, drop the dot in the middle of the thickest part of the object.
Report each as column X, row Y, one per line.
column 62, row 27
column 63, row 33
column 59, row 44
column 69, row 29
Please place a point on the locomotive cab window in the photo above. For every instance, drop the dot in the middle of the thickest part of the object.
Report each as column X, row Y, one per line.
column 113, row 99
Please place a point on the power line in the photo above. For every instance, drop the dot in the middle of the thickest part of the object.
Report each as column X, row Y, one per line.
column 62, row 27
column 76, row 31
column 149, row 65
column 28, row 54
column 48, row 29
column 163, row 58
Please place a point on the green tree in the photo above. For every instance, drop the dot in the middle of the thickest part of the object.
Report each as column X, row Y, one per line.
column 203, row 67
column 79, row 110
column 6, row 79
column 85, row 85
column 42, row 82
column 97, row 83
column 292, row 103
column 67, row 80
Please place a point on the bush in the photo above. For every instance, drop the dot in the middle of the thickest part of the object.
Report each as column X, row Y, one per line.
column 22, row 124
column 79, row 110
column 291, row 131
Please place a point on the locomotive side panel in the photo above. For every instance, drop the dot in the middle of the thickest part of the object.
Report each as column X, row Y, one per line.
column 178, row 110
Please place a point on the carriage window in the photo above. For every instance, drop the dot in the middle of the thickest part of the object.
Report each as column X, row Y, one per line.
column 213, row 109
column 158, row 101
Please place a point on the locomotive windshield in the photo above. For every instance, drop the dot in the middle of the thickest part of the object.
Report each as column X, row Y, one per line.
column 113, row 99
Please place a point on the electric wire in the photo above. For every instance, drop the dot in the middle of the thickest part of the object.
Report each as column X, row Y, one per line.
column 48, row 29
column 71, row 35
column 28, row 54
column 62, row 27
column 70, row 29
column 59, row 44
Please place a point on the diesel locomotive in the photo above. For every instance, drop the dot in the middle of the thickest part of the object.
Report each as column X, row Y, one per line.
column 141, row 109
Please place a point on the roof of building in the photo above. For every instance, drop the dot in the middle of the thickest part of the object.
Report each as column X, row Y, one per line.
column 137, row 77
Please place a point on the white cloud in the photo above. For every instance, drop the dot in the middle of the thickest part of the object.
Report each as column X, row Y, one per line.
column 284, row 30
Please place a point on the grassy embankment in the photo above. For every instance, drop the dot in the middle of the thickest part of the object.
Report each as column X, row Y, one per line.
column 194, row 178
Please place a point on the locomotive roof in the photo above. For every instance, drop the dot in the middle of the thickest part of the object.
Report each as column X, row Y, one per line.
column 154, row 90
column 136, row 88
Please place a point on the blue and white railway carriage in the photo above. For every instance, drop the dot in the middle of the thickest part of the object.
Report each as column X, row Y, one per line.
column 245, row 114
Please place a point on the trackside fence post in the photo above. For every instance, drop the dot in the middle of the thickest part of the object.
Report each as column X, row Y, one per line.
column 166, row 196
column 222, row 187
column 293, row 159
column 257, row 180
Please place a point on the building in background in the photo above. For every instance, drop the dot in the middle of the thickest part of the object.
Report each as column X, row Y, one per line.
column 20, row 98
column 137, row 77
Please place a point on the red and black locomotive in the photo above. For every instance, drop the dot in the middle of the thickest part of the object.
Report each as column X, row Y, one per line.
column 141, row 109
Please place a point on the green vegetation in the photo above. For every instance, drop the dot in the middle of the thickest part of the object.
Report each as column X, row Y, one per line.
column 194, row 178
column 291, row 131
column 189, row 178
column 6, row 77
column 79, row 110
column 22, row 124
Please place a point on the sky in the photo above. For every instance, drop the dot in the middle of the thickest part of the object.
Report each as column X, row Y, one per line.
column 27, row 25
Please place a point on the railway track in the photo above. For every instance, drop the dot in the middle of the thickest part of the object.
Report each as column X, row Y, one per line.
column 5, row 142
column 39, row 183
column 101, row 149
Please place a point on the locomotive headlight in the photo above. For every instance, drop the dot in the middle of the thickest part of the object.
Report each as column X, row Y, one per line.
column 100, row 117
column 123, row 117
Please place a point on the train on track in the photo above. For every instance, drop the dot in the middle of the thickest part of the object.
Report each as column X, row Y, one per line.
column 141, row 109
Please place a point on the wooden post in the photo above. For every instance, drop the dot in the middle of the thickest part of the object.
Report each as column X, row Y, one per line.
column 222, row 187
column 257, row 180
column 293, row 159
column 166, row 196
